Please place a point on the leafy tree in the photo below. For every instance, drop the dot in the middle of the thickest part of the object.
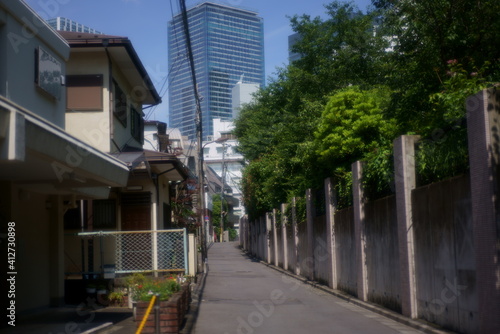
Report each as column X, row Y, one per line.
column 276, row 131
column 362, row 80
column 427, row 34
column 353, row 127
column 216, row 213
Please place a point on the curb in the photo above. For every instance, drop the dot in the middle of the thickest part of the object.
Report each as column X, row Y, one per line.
column 192, row 314
column 416, row 324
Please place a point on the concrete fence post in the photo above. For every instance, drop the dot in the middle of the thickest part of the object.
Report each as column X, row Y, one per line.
column 310, row 234
column 284, row 240
column 359, row 229
column 268, row 238
column 295, row 236
column 263, row 238
column 248, row 237
column 331, row 206
column 275, row 238
column 483, row 123
column 404, row 165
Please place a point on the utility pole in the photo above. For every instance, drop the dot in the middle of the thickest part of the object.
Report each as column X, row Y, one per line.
column 199, row 132
column 223, row 176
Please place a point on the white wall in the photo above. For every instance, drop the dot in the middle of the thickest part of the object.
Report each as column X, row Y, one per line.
column 92, row 127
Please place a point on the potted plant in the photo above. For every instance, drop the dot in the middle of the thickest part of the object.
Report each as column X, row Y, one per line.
column 116, row 298
column 102, row 294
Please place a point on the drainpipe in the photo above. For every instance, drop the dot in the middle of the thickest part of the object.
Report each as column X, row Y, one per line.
column 105, row 43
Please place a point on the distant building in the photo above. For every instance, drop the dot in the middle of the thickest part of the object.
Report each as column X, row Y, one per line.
column 64, row 24
column 292, row 40
column 242, row 94
column 227, row 43
column 225, row 160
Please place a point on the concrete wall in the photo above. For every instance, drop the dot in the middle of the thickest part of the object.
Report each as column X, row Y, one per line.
column 320, row 250
column 302, row 249
column 382, row 257
column 446, row 290
column 290, row 240
column 446, row 285
column 346, row 251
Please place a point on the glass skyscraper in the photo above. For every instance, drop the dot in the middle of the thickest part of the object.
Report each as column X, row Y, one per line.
column 228, row 46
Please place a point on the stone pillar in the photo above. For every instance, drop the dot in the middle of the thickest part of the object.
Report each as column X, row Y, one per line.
column 295, row 236
column 331, row 206
column 310, row 234
column 404, row 165
column 359, row 229
column 483, row 122
column 284, row 223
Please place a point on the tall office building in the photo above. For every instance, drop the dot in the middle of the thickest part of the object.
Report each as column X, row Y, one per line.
column 64, row 24
column 228, row 44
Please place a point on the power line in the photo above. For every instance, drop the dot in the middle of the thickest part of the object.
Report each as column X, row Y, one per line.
column 174, row 65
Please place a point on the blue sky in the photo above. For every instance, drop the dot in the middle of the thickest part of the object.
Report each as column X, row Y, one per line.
column 145, row 23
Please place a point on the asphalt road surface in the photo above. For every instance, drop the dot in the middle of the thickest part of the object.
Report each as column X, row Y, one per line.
column 242, row 296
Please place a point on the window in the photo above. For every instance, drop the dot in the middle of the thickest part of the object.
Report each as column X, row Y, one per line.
column 120, row 104
column 137, row 125
column 84, row 92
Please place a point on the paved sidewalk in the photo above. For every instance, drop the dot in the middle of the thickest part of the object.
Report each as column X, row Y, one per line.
column 241, row 295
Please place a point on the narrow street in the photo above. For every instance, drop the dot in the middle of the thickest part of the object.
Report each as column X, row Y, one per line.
column 243, row 296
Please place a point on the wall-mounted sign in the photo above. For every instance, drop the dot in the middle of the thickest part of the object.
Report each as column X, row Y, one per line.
column 48, row 74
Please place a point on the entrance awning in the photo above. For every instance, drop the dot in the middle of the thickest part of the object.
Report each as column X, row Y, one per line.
column 155, row 162
column 40, row 156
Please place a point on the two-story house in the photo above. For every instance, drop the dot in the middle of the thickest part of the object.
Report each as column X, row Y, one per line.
column 44, row 170
column 107, row 88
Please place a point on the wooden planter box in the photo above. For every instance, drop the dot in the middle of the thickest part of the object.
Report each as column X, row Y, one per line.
column 172, row 312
